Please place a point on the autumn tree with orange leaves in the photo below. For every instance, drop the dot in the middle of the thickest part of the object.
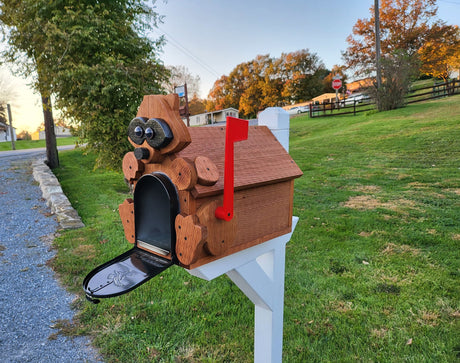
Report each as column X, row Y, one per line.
column 268, row 81
column 218, row 97
column 196, row 105
column 440, row 56
column 412, row 39
column 408, row 26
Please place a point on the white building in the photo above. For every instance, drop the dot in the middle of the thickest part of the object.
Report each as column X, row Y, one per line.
column 5, row 132
column 59, row 131
column 212, row 117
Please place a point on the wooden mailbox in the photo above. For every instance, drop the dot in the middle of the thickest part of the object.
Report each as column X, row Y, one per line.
column 186, row 166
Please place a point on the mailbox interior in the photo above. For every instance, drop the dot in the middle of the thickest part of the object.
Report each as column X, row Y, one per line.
column 156, row 206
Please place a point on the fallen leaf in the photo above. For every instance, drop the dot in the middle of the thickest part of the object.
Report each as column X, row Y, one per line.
column 409, row 342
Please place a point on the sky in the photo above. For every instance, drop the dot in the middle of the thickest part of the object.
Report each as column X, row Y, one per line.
column 211, row 37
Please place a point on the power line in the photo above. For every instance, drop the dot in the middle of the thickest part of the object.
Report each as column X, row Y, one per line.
column 174, row 42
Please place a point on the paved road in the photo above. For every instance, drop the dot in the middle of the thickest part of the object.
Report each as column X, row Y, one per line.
column 31, row 300
column 28, row 153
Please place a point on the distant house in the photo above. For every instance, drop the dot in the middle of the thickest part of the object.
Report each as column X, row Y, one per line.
column 359, row 85
column 60, row 131
column 212, row 117
column 300, row 104
column 325, row 97
column 5, row 132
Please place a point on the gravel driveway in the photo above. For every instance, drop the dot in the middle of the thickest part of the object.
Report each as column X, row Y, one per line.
column 31, row 300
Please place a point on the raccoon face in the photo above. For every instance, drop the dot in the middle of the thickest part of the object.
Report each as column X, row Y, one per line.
column 149, row 133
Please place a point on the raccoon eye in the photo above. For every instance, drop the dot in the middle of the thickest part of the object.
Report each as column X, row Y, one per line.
column 161, row 133
column 149, row 133
column 138, row 131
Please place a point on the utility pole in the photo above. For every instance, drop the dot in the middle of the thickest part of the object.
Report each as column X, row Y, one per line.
column 377, row 43
column 10, row 118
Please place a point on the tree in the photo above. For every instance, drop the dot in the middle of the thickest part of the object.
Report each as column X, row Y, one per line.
column 196, row 105
column 303, row 73
column 24, row 24
column 255, row 85
column 266, row 82
column 179, row 75
column 219, row 96
column 397, row 75
column 24, row 135
column 404, row 25
column 3, row 118
column 441, row 55
column 97, row 65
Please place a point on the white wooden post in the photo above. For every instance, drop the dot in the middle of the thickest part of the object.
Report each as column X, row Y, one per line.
column 277, row 120
column 259, row 273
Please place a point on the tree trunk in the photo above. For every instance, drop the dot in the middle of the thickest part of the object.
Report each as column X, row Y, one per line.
column 51, row 147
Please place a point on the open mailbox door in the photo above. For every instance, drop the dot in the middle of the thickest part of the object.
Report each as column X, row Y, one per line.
column 156, row 206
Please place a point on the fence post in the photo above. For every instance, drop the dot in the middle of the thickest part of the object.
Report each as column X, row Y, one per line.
column 10, row 118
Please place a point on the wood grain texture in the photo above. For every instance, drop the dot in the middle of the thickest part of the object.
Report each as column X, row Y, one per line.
column 182, row 174
column 126, row 211
column 206, row 170
column 190, row 237
column 167, row 109
column 186, row 202
column 261, row 214
column 132, row 168
column 221, row 234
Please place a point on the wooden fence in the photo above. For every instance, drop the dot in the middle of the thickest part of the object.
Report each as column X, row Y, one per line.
column 347, row 107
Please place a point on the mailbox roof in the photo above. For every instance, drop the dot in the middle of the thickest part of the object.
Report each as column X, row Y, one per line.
column 259, row 160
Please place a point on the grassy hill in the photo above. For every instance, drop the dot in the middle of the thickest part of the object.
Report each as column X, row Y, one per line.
column 31, row 144
column 372, row 270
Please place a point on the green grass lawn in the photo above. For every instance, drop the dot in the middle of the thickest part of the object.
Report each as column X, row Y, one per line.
column 32, row 144
column 372, row 270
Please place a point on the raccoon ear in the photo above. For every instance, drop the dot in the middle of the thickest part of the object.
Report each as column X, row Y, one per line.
column 173, row 101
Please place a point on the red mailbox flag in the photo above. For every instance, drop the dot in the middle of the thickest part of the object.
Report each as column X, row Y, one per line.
column 237, row 130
